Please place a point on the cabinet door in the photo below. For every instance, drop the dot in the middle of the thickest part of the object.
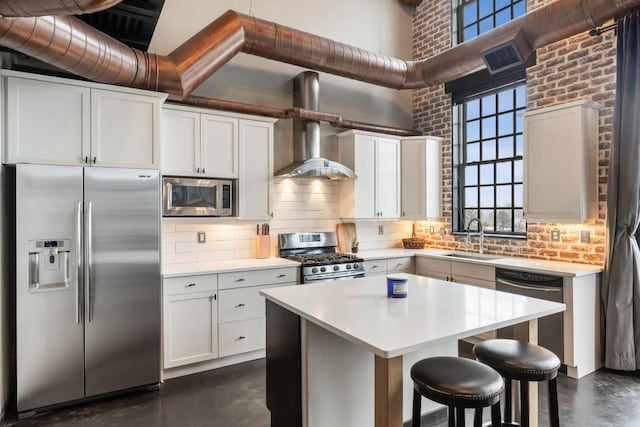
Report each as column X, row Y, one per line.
column 255, row 169
column 421, row 181
column 560, row 165
column 219, row 146
column 365, row 184
column 388, row 178
column 47, row 122
column 180, row 142
column 124, row 129
column 190, row 328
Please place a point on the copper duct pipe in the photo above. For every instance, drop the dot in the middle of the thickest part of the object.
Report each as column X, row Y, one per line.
column 74, row 46
column 17, row 8
column 291, row 113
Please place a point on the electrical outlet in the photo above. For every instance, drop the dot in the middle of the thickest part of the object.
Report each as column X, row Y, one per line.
column 585, row 236
column 555, row 235
column 432, row 229
column 380, row 230
column 202, row 237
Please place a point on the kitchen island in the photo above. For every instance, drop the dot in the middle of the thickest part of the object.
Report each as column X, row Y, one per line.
column 338, row 353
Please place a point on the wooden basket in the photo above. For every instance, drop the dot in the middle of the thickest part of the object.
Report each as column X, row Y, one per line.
column 413, row 243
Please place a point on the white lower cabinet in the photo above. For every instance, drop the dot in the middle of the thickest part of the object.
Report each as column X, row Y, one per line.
column 379, row 267
column 190, row 328
column 211, row 316
column 242, row 336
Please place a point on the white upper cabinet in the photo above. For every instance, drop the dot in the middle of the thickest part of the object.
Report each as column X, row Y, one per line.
column 47, row 122
column 180, row 142
column 59, row 121
column 125, row 129
column 375, row 193
column 256, row 169
column 421, row 161
column 560, row 163
column 219, row 146
column 198, row 144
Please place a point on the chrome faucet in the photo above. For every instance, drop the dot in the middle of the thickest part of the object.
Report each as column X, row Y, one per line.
column 479, row 233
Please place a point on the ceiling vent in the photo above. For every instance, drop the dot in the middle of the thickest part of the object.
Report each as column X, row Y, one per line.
column 512, row 53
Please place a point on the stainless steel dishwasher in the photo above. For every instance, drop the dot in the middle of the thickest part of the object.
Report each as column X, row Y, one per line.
column 535, row 285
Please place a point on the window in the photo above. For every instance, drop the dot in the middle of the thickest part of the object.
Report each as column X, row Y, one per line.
column 488, row 136
column 489, row 165
column 479, row 16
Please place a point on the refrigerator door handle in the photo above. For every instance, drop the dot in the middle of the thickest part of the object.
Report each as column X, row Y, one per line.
column 89, row 262
column 79, row 262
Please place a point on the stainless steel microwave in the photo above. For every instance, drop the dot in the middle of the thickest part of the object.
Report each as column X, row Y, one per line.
column 197, row 197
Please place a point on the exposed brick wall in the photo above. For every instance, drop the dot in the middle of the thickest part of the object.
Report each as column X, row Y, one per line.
column 580, row 67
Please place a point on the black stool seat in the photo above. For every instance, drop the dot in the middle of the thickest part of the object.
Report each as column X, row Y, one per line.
column 518, row 360
column 454, row 381
column 459, row 384
column 525, row 362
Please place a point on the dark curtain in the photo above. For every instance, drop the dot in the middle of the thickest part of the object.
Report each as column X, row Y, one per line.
column 621, row 279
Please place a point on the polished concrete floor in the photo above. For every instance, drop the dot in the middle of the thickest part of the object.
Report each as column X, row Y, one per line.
column 235, row 397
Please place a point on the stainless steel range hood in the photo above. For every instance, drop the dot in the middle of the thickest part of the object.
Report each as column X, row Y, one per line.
column 307, row 162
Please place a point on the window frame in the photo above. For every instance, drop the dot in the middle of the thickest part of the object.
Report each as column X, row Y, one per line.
column 460, row 26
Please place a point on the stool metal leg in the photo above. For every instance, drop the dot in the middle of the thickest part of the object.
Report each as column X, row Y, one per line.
column 554, row 417
column 495, row 415
column 524, row 403
column 477, row 418
column 452, row 416
column 459, row 416
column 417, row 408
column 508, row 396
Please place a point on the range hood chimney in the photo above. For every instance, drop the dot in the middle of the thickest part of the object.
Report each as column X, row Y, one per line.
column 307, row 162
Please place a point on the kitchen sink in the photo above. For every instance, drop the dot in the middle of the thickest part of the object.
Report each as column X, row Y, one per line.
column 479, row 257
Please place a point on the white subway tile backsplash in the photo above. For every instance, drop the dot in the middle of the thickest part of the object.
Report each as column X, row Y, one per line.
column 298, row 206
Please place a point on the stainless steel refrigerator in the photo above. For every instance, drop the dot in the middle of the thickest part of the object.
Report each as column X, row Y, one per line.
column 87, row 282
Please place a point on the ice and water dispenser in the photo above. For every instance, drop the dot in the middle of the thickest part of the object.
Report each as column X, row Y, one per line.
column 49, row 265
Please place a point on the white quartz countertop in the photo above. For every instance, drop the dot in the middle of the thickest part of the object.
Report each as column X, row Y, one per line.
column 434, row 312
column 515, row 263
column 195, row 268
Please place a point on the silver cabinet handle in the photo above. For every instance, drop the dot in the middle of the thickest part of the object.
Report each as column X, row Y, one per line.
column 240, row 280
column 240, row 305
column 528, row 287
column 203, row 171
column 241, row 338
column 79, row 265
column 281, row 275
column 190, row 285
column 399, row 265
column 197, row 170
column 374, row 266
column 89, row 264
column 94, row 160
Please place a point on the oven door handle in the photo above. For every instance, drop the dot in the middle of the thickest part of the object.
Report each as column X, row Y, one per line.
column 528, row 287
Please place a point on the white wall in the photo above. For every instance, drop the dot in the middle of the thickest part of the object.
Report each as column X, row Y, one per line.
column 382, row 26
column 299, row 205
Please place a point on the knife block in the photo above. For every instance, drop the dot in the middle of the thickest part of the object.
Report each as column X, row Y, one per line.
column 263, row 246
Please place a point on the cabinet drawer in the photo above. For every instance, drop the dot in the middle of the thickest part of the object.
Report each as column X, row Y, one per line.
column 400, row 265
column 378, row 266
column 424, row 266
column 241, row 337
column 188, row 284
column 241, row 303
column 466, row 269
column 241, row 279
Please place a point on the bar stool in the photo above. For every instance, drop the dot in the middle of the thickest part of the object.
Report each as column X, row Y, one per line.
column 459, row 384
column 523, row 361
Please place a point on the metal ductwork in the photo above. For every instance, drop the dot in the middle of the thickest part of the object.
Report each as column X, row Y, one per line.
column 22, row 8
column 307, row 162
column 67, row 43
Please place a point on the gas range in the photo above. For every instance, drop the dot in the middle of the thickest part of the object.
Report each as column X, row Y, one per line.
column 317, row 254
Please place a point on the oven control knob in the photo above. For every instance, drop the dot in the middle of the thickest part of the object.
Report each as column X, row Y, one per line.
column 323, row 269
column 348, row 266
column 356, row 266
column 314, row 270
column 336, row 268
